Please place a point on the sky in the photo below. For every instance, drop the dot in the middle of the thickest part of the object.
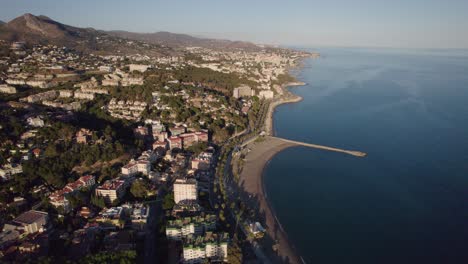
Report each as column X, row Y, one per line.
column 343, row 23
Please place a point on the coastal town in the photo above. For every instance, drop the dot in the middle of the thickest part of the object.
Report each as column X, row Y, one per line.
column 128, row 155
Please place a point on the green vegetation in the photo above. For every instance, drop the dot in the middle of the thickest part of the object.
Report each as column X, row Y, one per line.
column 122, row 257
column 168, row 201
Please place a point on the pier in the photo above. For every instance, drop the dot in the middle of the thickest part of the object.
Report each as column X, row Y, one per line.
column 298, row 143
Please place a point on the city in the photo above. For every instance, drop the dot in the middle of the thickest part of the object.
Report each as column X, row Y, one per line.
column 124, row 154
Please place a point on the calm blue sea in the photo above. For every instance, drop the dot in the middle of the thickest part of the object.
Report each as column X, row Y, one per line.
column 407, row 202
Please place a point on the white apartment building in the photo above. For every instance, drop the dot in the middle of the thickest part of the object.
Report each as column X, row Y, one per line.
column 213, row 246
column 185, row 189
column 111, row 190
column 7, row 89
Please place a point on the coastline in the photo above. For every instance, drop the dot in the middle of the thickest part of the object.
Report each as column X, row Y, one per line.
column 252, row 178
column 287, row 98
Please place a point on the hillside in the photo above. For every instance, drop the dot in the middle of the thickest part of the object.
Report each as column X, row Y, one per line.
column 183, row 40
column 43, row 30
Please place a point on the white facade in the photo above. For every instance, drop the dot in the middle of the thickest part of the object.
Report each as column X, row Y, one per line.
column 7, row 89
column 185, row 190
column 138, row 67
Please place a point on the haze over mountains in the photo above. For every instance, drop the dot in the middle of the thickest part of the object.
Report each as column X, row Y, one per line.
column 43, row 30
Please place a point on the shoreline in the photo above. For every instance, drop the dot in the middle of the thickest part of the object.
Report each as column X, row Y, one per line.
column 287, row 98
column 253, row 173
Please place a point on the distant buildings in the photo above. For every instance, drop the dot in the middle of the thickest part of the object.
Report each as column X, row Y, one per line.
column 83, row 135
column 185, row 190
column 83, row 95
column 35, row 121
column 138, row 67
column 106, row 68
column 243, row 91
column 7, row 89
column 267, row 94
column 49, row 95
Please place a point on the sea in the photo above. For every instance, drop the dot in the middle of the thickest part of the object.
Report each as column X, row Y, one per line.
column 407, row 201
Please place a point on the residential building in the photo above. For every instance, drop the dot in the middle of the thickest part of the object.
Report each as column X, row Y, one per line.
column 138, row 67
column 185, row 189
column 175, row 142
column 83, row 95
column 243, row 91
column 7, row 89
column 175, row 131
column 59, row 198
column 111, row 190
column 106, row 68
column 29, row 222
column 35, row 121
column 181, row 228
column 65, row 93
column 212, row 245
column 266, row 94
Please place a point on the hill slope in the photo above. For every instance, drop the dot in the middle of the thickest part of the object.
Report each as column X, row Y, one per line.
column 183, row 40
column 43, row 30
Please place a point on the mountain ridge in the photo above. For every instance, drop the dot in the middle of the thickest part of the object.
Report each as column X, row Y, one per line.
column 44, row 30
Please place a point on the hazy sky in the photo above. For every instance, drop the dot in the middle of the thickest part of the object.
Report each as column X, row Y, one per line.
column 378, row 23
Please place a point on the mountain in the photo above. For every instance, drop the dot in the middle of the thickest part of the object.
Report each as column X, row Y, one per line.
column 43, row 30
column 183, row 40
column 1, row 23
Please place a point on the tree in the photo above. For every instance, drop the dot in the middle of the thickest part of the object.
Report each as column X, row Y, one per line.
column 98, row 201
column 168, row 201
column 139, row 189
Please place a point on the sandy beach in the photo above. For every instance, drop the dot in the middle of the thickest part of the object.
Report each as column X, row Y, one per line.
column 251, row 179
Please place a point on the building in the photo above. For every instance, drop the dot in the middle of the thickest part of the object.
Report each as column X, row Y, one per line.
column 185, row 189
column 267, row 94
column 65, row 93
column 9, row 170
column 59, row 198
column 7, row 89
column 212, row 245
column 175, row 142
column 175, row 131
column 34, row 98
column 35, row 121
column 138, row 67
column 243, row 91
column 139, row 215
column 29, row 222
column 83, row 95
column 182, row 228
column 132, row 81
column 83, row 135
column 141, row 132
column 142, row 164
column 39, row 84
column 106, row 68
column 111, row 190
column 160, row 136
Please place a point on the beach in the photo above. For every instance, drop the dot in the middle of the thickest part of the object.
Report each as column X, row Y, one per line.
column 251, row 181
